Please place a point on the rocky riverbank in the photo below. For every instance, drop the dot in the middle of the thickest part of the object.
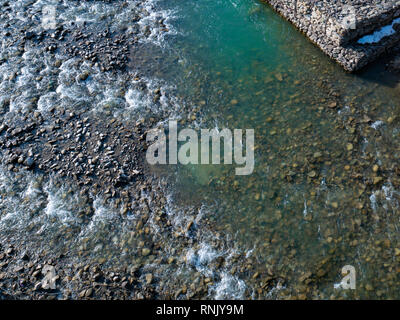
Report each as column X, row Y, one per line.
column 103, row 158
column 82, row 215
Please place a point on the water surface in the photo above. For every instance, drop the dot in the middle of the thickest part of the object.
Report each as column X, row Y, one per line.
column 315, row 202
column 324, row 192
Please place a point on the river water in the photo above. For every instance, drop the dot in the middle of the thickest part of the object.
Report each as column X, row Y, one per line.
column 245, row 67
column 324, row 192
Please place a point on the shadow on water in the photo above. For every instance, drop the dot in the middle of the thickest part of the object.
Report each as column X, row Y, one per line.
column 378, row 72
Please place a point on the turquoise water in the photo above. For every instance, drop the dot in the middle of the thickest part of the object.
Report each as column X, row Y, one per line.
column 315, row 202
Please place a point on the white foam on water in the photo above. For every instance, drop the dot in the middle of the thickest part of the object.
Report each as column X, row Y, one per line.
column 230, row 287
column 377, row 124
column 364, row 144
column 69, row 87
column 79, row 12
column 33, row 208
column 102, row 90
column 124, row 19
column 139, row 100
column 201, row 257
column 178, row 217
column 379, row 34
column 373, row 201
column 305, row 211
column 134, row 99
column 24, row 88
column 59, row 205
column 250, row 252
column 52, row 207
column 389, row 192
column 157, row 22
column 47, row 101
column 29, row 204
column 387, row 198
column 102, row 215
column 275, row 289
column 33, row 190
column 344, row 110
column 21, row 202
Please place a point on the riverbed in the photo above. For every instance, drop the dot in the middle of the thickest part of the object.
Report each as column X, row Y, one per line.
column 323, row 194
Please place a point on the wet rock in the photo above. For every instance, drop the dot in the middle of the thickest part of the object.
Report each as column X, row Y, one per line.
column 29, row 162
column 349, row 147
column 149, row 278
column 146, row 252
column 312, row 174
column 332, row 105
column 83, row 76
column 88, row 292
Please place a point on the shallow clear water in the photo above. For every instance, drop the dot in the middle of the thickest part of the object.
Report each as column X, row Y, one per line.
column 311, row 205
column 245, row 67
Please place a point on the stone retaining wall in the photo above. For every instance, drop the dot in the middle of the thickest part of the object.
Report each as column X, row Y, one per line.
column 335, row 26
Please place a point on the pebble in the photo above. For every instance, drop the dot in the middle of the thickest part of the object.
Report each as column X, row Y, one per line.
column 312, row 174
column 349, row 147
